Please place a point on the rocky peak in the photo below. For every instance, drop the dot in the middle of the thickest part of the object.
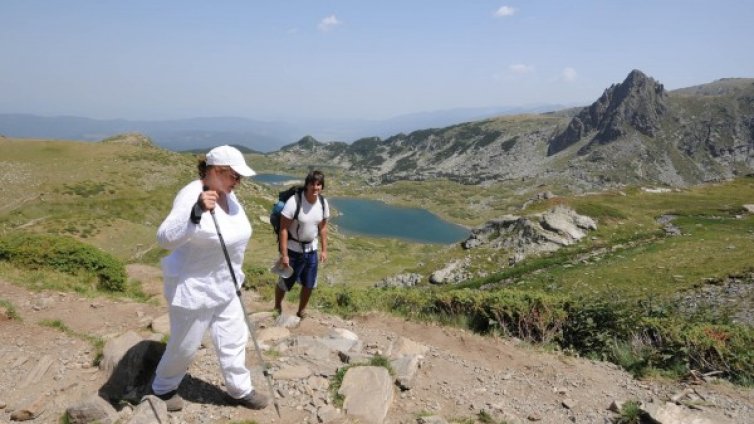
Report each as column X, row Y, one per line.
column 637, row 104
column 307, row 142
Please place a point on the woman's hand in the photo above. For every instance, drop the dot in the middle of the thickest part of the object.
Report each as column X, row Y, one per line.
column 208, row 200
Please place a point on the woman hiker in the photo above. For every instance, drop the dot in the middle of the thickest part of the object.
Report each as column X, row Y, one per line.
column 198, row 285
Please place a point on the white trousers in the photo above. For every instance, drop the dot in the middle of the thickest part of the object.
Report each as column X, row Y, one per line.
column 229, row 333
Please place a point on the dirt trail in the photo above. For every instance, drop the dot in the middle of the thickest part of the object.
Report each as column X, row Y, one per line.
column 462, row 374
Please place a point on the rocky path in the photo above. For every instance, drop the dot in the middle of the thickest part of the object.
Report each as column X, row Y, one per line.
column 46, row 370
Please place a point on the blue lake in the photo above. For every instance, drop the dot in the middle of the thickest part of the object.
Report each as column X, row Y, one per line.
column 276, row 179
column 374, row 218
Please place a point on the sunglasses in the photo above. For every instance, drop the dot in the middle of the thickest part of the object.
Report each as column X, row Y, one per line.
column 233, row 174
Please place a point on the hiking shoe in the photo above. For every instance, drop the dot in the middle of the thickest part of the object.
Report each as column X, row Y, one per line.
column 253, row 400
column 173, row 401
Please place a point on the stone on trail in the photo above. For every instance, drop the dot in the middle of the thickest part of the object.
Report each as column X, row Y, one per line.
column 92, row 409
column 368, row 393
column 151, row 410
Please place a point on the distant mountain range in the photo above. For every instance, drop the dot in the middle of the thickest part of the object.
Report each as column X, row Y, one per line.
column 635, row 133
column 263, row 136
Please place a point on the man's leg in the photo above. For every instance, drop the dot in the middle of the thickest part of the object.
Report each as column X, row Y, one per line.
column 308, row 281
column 306, row 293
column 279, row 295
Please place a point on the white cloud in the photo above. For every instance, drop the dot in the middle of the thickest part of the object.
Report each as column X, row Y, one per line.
column 568, row 74
column 520, row 69
column 328, row 23
column 505, row 11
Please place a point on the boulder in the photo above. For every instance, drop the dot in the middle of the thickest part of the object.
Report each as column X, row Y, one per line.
column 368, row 393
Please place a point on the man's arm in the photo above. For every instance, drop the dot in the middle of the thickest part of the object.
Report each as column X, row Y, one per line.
column 323, row 240
column 284, row 224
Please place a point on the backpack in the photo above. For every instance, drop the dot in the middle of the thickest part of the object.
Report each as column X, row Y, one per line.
column 283, row 197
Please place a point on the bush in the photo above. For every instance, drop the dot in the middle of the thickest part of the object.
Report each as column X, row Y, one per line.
column 641, row 336
column 63, row 254
column 723, row 348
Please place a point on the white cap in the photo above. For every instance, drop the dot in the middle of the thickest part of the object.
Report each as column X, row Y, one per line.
column 229, row 156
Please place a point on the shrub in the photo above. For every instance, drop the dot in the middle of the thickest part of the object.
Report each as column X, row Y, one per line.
column 640, row 336
column 723, row 348
column 10, row 310
column 630, row 413
column 63, row 254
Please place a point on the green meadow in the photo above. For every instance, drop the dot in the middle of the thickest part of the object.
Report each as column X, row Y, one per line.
column 611, row 296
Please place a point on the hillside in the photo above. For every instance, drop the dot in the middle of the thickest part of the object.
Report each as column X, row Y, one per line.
column 635, row 133
column 662, row 285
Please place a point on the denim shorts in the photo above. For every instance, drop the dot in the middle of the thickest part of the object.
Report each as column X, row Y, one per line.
column 304, row 270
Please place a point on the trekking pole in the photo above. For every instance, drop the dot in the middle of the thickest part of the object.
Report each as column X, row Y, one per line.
column 243, row 308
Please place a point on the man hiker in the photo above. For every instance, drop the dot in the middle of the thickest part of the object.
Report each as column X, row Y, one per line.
column 303, row 225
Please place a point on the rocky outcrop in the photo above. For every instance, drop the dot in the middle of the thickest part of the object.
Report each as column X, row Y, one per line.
column 638, row 103
column 451, row 273
column 132, row 139
column 539, row 233
column 410, row 279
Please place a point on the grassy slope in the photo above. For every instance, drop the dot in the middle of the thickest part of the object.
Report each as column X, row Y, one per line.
column 114, row 196
column 716, row 241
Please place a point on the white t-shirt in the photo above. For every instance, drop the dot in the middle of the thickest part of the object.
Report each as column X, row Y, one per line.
column 196, row 273
column 306, row 227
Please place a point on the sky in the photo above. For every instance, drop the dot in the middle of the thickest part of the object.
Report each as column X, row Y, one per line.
column 352, row 59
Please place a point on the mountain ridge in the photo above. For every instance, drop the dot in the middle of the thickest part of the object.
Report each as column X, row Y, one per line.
column 636, row 132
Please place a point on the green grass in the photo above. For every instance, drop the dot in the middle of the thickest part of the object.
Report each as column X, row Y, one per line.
column 97, row 342
column 10, row 310
column 630, row 413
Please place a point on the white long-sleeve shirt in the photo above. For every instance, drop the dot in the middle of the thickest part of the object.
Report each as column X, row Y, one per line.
column 196, row 273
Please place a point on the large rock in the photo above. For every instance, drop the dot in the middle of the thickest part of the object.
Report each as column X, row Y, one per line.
column 670, row 413
column 151, row 410
column 116, row 348
column 400, row 280
column 90, row 410
column 405, row 369
column 539, row 233
column 368, row 393
column 405, row 346
column 30, row 409
column 453, row 272
column 161, row 324
column 132, row 369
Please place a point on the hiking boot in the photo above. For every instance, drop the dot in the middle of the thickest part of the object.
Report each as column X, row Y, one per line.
column 173, row 401
column 253, row 400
